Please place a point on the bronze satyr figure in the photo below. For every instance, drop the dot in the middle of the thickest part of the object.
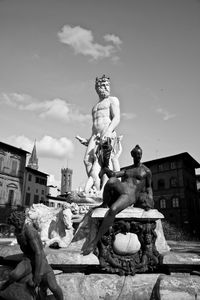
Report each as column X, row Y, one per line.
column 34, row 270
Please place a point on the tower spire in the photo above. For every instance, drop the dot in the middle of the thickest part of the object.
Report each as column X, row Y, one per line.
column 33, row 160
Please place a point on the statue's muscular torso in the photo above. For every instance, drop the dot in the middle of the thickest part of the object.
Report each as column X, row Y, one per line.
column 102, row 114
column 130, row 179
column 23, row 238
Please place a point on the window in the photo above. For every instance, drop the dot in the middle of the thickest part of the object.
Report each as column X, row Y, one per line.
column 161, row 167
column 36, row 191
column 162, row 203
column 14, row 167
column 175, row 202
column 173, row 165
column 173, row 181
column 42, row 192
column 161, row 184
column 29, row 177
column 27, row 199
column 41, row 181
column 36, row 199
column 1, row 163
column 28, row 188
column 10, row 197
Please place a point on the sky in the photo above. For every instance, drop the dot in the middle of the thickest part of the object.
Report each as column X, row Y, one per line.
column 51, row 52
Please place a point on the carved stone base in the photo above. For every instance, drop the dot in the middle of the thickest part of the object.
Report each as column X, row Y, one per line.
column 147, row 259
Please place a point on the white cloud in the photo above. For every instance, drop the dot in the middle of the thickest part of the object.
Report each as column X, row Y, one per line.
column 113, row 38
column 166, row 115
column 20, row 142
column 82, row 41
column 14, row 99
column 128, row 116
column 53, row 181
column 55, row 148
column 48, row 147
column 56, row 108
column 115, row 59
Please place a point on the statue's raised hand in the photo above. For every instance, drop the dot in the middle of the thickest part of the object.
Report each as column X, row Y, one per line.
column 83, row 141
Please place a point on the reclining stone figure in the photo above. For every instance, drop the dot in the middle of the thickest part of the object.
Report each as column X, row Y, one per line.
column 134, row 189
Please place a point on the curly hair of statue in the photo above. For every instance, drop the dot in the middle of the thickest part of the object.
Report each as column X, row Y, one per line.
column 17, row 218
column 100, row 80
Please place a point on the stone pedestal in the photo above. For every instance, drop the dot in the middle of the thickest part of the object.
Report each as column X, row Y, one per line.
column 129, row 245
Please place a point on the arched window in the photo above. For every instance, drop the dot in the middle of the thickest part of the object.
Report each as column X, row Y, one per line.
column 161, row 184
column 175, row 202
column 162, row 203
column 12, row 185
column 173, row 181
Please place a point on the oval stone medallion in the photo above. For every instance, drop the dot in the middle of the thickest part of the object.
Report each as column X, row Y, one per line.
column 126, row 244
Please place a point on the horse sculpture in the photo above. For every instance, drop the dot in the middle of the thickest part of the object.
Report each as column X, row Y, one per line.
column 54, row 225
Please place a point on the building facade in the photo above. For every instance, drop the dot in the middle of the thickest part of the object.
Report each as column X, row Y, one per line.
column 175, row 190
column 35, row 187
column 12, row 170
column 198, row 182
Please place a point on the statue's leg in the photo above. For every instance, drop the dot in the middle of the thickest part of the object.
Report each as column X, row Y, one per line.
column 103, row 182
column 52, row 284
column 115, row 163
column 112, row 191
column 95, row 174
column 89, row 155
column 123, row 201
column 22, row 273
column 23, row 269
column 89, row 184
column 93, row 178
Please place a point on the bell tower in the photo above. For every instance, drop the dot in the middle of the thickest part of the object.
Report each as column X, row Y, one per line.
column 66, row 180
column 33, row 160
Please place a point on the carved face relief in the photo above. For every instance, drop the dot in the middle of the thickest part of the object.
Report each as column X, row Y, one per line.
column 67, row 218
column 32, row 214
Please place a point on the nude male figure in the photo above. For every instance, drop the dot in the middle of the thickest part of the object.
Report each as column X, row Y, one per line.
column 105, row 118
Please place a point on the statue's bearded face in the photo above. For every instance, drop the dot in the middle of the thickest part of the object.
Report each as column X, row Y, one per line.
column 103, row 89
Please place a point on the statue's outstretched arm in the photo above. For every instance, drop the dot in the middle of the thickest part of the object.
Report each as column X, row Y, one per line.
column 111, row 173
column 83, row 141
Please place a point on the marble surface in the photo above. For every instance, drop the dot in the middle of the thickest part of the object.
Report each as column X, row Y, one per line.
column 65, row 256
column 130, row 212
